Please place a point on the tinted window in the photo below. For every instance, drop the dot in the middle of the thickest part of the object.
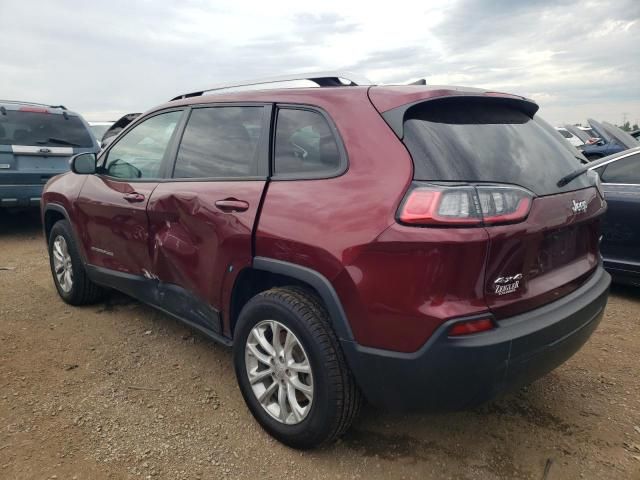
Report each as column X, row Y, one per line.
column 50, row 129
column 486, row 141
column 304, row 144
column 625, row 170
column 140, row 152
column 220, row 142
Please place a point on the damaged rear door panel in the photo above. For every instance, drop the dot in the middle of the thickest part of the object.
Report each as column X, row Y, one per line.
column 201, row 222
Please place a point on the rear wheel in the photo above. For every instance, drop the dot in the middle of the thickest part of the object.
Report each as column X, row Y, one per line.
column 69, row 275
column 291, row 369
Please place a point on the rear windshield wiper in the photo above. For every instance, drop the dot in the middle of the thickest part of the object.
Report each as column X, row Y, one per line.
column 61, row 141
column 572, row 176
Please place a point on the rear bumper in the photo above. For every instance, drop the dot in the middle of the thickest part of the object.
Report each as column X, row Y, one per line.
column 20, row 195
column 452, row 373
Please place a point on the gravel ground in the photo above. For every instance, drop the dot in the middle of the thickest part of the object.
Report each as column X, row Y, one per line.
column 118, row 390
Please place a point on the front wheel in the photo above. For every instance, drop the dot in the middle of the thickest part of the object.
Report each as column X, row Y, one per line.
column 69, row 275
column 291, row 369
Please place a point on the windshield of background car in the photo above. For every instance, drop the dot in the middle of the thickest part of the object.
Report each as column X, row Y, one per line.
column 46, row 129
column 476, row 140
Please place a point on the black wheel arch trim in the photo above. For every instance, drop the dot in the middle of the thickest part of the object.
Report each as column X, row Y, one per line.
column 53, row 207
column 319, row 282
column 56, row 207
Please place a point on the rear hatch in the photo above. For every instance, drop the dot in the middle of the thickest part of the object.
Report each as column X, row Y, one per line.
column 37, row 142
column 491, row 162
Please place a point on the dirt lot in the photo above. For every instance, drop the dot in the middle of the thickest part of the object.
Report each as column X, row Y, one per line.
column 118, row 390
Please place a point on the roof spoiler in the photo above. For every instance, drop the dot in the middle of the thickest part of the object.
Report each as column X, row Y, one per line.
column 395, row 116
column 322, row 79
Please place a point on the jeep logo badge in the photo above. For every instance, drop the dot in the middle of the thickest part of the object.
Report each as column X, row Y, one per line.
column 579, row 207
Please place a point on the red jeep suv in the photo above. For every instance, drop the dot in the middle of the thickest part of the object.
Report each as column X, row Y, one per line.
column 414, row 246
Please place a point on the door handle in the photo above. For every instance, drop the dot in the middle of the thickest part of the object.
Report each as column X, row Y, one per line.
column 133, row 197
column 232, row 205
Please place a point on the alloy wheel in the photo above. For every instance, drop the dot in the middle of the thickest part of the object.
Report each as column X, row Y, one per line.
column 62, row 265
column 279, row 372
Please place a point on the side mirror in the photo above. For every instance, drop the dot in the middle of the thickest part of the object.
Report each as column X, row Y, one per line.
column 84, row 163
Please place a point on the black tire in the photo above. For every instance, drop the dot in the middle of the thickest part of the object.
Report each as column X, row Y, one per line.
column 83, row 291
column 336, row 398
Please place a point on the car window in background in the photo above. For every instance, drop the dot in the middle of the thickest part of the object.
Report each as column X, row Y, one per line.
column 564, row 133
column 304, row 144
column 625, row 170
column 99, row 130
column 140, row 152
column 43, row 129
column 220, row 142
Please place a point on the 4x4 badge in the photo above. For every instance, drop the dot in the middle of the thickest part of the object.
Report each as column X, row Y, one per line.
column 579, row 207
column 506, row 285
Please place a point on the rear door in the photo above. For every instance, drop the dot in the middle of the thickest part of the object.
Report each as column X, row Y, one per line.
column 201, row 222
column 112, row 204
column 621, row 184
column 543, row 239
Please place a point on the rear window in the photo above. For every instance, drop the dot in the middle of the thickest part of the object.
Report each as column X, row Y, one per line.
column 475, row 140
column 48, row 129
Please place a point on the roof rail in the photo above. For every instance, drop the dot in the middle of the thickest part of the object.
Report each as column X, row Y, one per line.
column 18, row 102
column 322, row 79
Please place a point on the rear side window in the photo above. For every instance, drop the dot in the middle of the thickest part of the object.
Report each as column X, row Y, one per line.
column 625, row 170
column 46, row 129
column 305, row 145
column 483, row 140
column 220, row 142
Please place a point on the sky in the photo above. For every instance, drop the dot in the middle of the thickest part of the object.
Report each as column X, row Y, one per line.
column 577, row 59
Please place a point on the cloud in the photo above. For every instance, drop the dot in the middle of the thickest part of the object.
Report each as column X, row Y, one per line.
column 106, row 58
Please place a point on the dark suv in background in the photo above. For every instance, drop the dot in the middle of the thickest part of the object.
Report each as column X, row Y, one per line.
column 421, row 247
column 36, row 143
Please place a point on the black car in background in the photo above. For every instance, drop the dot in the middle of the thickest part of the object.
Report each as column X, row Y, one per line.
column 620, row 175
column 116, row 127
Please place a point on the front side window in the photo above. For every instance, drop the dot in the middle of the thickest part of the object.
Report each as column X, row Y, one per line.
column 625, row 170
column 220, row 142
column 304, row 145
column 139, row 154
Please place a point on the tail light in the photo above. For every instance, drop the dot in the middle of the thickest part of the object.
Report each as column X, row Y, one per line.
column 464, row 205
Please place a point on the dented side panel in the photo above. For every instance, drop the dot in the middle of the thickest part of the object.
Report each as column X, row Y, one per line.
column 197, row 245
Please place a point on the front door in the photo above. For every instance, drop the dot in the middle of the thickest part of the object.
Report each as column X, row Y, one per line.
column 112, row 203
